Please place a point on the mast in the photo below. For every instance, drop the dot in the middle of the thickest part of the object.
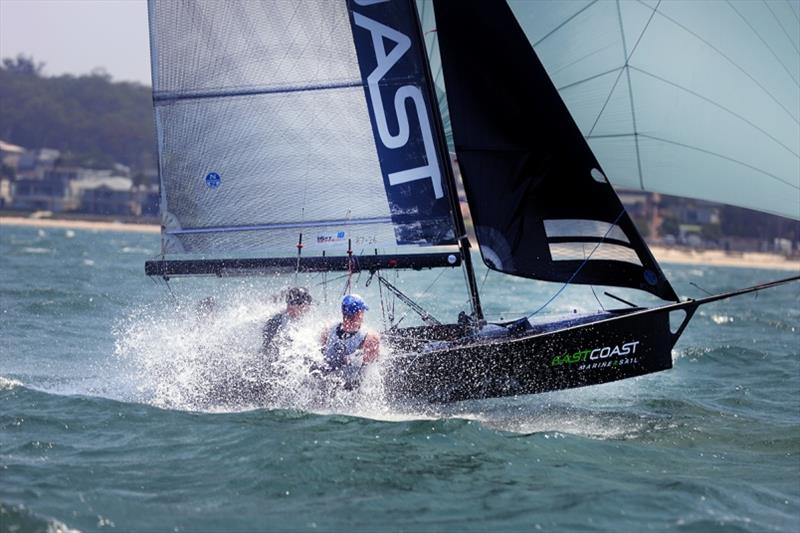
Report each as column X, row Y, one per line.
column 449, row 176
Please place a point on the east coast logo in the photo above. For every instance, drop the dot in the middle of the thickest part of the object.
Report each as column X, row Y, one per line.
column 599, row 357
column 405, row 97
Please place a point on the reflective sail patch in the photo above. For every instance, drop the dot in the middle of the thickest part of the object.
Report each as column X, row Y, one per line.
column 393, row 68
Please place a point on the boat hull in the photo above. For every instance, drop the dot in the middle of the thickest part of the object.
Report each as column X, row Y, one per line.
column 623, row 346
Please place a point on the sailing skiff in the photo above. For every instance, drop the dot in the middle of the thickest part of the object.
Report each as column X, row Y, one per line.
column 278, row 120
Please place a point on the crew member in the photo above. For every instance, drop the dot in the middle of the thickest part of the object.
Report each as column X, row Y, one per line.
column 346, row 347
column 298, row 302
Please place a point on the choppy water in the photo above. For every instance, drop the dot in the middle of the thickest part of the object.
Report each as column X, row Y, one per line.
column 103, row 425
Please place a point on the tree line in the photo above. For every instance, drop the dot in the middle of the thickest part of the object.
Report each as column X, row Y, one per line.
column 93, row 120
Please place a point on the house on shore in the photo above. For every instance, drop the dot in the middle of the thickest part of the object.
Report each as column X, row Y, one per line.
column 107, row 195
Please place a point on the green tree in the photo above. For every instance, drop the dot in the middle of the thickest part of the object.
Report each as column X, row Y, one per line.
column 98, row 121
column 23, row 65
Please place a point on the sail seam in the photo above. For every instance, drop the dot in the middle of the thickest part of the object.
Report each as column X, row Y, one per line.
column 733, row 63
column 282, row 225
column 630, row 87
column 780, row 24
column 554, row 30
column 760, row 38
column 716, row 104
column 709, row 152
column 616, row 82
column 159, row 97
column 590, row 78
column 792, row 9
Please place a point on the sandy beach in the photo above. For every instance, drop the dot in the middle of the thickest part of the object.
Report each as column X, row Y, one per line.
column 663, row 255
column 94, row 225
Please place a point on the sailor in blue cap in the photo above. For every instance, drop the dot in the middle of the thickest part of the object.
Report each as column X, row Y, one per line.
column 346, row 346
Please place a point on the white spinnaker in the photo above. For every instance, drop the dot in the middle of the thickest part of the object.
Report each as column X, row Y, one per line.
column 696, row 98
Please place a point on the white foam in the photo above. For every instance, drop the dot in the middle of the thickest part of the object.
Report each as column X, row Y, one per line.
column 36, row 250
column 176, row 357
column 8, row 384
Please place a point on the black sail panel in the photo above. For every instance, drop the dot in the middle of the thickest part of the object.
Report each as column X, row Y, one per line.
column 541, row 205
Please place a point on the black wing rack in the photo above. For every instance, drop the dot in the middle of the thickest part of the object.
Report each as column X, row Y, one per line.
column 271, row 265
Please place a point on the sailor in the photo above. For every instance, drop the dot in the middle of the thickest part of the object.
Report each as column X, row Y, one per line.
column 346, row 347
column 298, row 302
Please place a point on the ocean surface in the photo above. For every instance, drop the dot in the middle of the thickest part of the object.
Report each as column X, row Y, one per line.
column 106, row 422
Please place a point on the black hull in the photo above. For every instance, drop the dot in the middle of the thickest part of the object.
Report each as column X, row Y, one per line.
column 620, row 347
column 630, row 343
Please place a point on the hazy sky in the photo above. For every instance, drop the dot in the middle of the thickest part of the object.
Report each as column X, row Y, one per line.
column 76, row 36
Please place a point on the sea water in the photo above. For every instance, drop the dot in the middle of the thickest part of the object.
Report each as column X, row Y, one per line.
column 106, row 422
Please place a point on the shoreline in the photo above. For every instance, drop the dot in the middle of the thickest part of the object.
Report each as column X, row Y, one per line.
column 663, row 255
column 67, row 223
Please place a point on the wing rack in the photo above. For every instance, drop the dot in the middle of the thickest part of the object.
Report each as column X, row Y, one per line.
column 238, row 267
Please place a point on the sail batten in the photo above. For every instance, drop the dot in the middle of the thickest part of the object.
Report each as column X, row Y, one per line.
column 160, row 97
column 271, row 122
column 283, row 225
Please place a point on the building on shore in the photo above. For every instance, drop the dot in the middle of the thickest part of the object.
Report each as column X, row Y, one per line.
column 10, row 154
column 52, row 188
column 107, row 195
column 148, row 198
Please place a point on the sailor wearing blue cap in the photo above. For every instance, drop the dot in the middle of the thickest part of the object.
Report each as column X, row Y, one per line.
column 345, row 346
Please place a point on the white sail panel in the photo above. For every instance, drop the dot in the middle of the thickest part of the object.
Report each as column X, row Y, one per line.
column 269, row 174
column 203, row 45
column 265, row 133
column 691, row 98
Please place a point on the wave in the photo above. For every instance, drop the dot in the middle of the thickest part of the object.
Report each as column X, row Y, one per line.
column 19, row 518
column 8, row 383
column 37, row 250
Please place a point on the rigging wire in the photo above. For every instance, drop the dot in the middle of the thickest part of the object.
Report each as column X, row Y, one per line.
column 169, row 288
column 485, row 277
column 299, row 253
column 324, row 283
column 597, row 298
column 695, row 285
column 383, row 308
column 348, row 285
column 580, row 267
column 432, row 283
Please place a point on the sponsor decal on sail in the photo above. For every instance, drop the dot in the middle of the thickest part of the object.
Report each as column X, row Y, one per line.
column 331, row 238
column 389, row 57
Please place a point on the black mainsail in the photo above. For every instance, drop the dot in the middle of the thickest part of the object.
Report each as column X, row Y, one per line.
column 541, row 205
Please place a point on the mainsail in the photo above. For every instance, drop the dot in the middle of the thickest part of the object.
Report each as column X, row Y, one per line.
column 699, row 99
column 277, row 118
column 541, row 204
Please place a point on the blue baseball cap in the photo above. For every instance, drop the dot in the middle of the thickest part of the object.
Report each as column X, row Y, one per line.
column 352, row 304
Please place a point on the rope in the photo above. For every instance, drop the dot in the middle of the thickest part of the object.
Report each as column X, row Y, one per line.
column 580, row 267
column 597, row 298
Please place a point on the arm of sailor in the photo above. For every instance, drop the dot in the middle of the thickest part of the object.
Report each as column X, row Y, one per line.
column 269, row 331
column 323, row 336
column 372, row 345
